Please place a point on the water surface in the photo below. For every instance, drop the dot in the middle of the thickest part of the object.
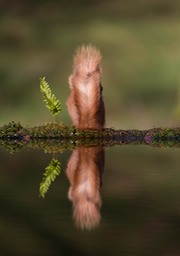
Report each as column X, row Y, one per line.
column 139, row 209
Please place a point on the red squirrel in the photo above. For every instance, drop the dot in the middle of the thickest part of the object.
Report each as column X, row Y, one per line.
column 85, row 102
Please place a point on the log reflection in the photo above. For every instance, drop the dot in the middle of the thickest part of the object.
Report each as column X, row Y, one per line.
column 84, row 171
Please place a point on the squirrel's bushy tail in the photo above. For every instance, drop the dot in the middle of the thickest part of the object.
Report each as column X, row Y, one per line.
column 87, row 61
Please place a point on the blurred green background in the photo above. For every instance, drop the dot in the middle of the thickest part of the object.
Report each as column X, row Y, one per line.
column 139, row 41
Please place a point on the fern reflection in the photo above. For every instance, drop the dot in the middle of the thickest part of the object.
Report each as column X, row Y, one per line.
column 50, row 174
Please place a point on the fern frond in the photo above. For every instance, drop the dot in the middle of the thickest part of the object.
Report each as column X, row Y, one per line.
column 52, row 103
column 51, row 172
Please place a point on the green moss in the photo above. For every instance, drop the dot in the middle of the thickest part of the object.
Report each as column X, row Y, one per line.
column 165, row 137
column 10, row 130
column 56, row 137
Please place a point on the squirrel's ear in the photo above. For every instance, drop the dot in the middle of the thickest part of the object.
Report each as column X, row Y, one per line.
column 70, row 195
column 70, row 81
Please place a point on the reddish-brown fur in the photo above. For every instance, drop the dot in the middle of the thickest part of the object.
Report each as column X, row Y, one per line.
column 85, row 102
column 84, row 172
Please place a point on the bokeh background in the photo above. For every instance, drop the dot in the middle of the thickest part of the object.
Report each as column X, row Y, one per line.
column 139, row 41
column 140, row 44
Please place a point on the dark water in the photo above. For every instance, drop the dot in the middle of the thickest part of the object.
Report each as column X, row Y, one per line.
column 136, row 211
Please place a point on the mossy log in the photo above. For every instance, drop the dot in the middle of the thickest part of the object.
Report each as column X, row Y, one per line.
column 56, row 137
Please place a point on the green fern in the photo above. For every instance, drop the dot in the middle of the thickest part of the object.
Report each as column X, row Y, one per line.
column 52, row 103
column 51, row 172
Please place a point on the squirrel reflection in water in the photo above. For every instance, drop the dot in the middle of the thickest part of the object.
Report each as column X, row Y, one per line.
column 86, row 164
column 84, row 171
